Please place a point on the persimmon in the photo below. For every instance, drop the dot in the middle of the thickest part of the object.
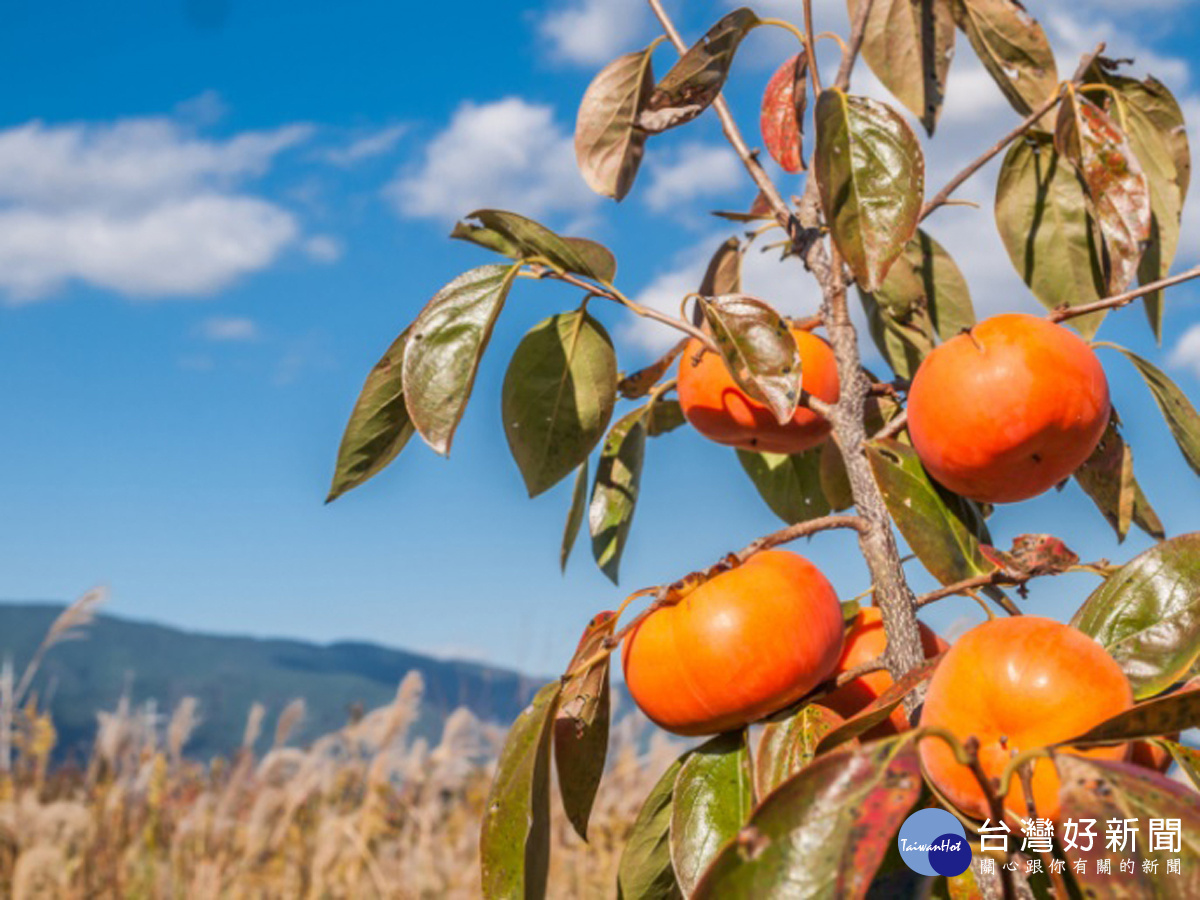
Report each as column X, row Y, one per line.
column 1018, row 684
column 1151, row 756
column 741, row 645
column 1009, row 409
column 721, row 411
column 865, row 641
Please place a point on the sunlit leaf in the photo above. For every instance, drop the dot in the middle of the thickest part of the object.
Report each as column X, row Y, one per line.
column 1147, row 614
column 444, row 348
column 879, row 709
column 645, row 871
column 581, row 724
column 782, row 118
column 574, row 515
column 614, row 495
column 515, row 841
column 871, row 176
column 758, row 348
column 664, row 416
column 909, row 44
column 608, row 142
column 379, row 425
column 697, row 78
column 1177, row 410
column 1042, row 214
column 1012, row 47
column 521, row 238
column 1107, row 477
column 713, row 797
column 558, row 396
column 790, row 485
column 1168, row 714
column 789, row 744
column 824, row 832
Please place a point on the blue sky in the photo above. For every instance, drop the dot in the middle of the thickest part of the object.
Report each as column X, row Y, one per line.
column 215, row 215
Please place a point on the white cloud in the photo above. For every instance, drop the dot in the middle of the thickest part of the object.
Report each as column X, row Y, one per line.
column 228, row 328
column 368, row 146
column 593, row 32
column 323, row 248
column 509, row 154
column 695, row 170
column 1186, row 353
column 140, row 206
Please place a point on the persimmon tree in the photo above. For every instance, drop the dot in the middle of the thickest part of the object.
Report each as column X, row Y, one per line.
column 1088, row 204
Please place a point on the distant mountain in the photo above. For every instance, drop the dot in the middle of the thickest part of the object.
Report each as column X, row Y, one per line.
column 227, row 674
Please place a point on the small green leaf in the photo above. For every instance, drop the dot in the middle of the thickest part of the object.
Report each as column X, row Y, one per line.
column 934, row 529
column 697, row 78
column 790, row 485
column 713, row 797
column 782, row 117
column 1168, row 714
column 1042, row 214
column 608, row 143
column 789, row 744
column 614, row 495
column 1107, row 477
column 1147, row 614
column 758, row 348
column 558, row 397
column 522, row 238
column 871, row 176
column 880, row 708
column 909, row 47
column 379, row 425
column 574, row 515
column 581, row 725
column 444, row 348
column 664, row 416
column 645, row 871
column 1012, row 47
column 515, row 842
column 825, row 831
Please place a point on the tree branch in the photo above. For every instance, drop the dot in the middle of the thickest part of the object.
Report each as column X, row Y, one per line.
column 1069, row 312
column 858, row 31
column 799, row 530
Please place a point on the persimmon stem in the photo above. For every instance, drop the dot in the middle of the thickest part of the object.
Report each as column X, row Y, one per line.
column 1069, row 312
column 799, row 530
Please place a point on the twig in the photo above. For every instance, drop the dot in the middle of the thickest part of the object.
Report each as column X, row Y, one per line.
column 811, row 47
column 857, row 32
column 877, row 664
column 995, row 806
column 799, row 530
column 1069, row 312
column 1032, row 119
column 893, row 427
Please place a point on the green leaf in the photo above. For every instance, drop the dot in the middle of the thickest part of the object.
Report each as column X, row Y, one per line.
column 1103, row 790
column 1168, row 714
column 1012, row 47
column 790, row 485
column 515, row 841
column 789, row 744
column 1177, row 410
column 1147, row 614
column 1042, row 214
column 908, row 46
column 758, row 348
column 934, row 530
column 1107, row 477
column 645, row 871
column 574, row 515
column 608, row 143
column 379, row 425
column 522, row 238
column 880, row 708
column 871, row 176
column 558, row 397
column 664, row 416
column 697, row 78
column 614, row 495
column 445, row 344
column 581, row 725
column 835, row 480
column 781, row 119
column 1115, row 185
column 824, row 832
column 902, row 344
column 713, row 797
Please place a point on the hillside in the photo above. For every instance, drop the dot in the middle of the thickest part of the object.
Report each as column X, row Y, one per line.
column 227, row 674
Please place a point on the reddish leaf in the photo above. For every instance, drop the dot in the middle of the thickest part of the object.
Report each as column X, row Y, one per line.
column 1032, row 555
column 782, row 117
column 1168, row 714
column 789, row 744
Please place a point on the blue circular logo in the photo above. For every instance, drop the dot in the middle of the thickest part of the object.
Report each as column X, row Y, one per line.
column 933, row 842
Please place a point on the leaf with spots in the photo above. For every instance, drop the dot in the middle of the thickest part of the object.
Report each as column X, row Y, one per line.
column 645, row 872
column 522, row 238
column 694, row 82
column 790, row 485
column 1147, row 614
column 880, row 708
column 789, row 743
column 558, row 397
column 782, row 118
column 1012, row 47
column 1033, row 555
column 1107, row 477
column 445, row 345
column 871, row 179
column 608, row 143
column 379, row 425
column 1105, row 790
column 581, row 724
column 713, row 797
column 615, row 492
column 515, row 842
column 758, row 349
column 825, row 831
column 1167, row 714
